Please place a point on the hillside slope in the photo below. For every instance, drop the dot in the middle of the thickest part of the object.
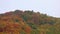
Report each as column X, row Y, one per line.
column 28, row 22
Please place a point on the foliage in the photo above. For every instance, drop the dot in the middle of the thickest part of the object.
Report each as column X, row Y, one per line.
column 28, row 22
column 51, row 22
column 17, row 20
column 35, row 31
column 24, row 17
column 22, row 32
column 32, row 25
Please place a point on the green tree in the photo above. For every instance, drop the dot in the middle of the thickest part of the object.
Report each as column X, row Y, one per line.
column 24, row 17
column 33, row 26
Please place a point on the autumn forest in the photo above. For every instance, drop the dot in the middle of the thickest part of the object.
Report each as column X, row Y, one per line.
column 28, row 22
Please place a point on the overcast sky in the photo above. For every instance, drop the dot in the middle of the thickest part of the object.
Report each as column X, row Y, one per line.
column 50, row 7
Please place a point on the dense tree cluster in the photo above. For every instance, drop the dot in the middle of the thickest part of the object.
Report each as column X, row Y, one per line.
column 28, row 22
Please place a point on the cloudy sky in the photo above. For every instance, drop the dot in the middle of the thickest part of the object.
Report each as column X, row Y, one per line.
column 50, row 7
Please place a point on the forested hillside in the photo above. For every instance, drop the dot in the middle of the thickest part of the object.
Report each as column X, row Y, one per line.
column 28, row 22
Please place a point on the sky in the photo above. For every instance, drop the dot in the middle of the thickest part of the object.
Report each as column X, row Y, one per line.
column 50, row 7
